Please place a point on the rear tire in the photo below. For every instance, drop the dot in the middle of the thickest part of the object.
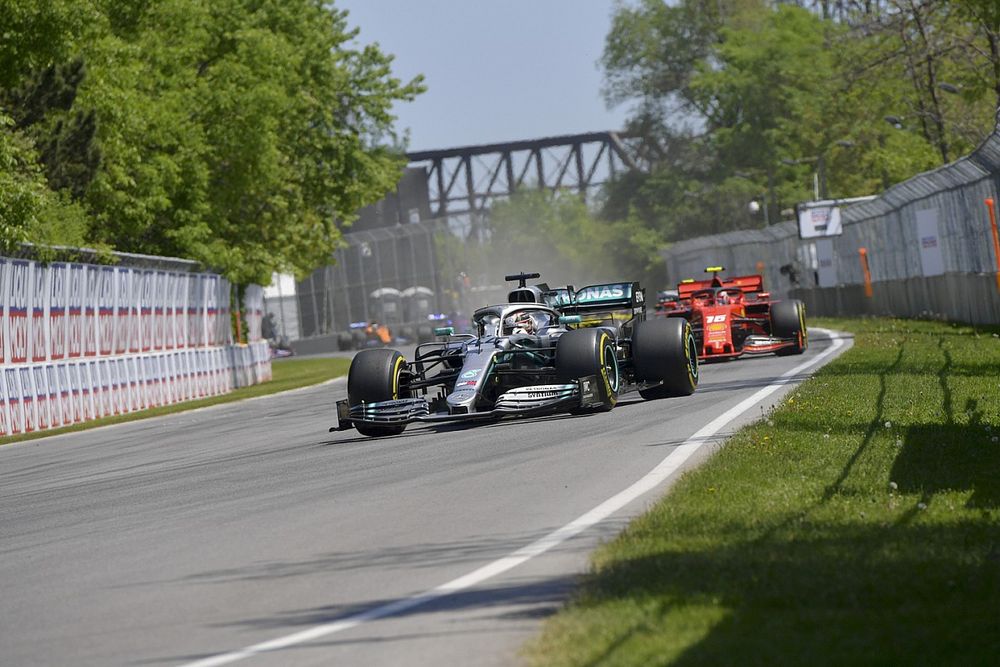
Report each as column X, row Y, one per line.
column 664, row 350
column 584, row 352
column 788, row 320
column 374, row 376
column 345, row 341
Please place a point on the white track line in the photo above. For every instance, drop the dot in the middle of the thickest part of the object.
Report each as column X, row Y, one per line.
column 651, row 480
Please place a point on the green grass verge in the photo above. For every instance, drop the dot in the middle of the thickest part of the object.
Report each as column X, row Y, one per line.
column 858, row 524
column 287, row 374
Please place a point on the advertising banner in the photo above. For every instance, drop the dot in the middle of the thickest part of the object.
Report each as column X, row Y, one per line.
column 211, row 308
column 134, row 305
column 124, row 405
column 28, row 399
column 103, row 382
column 154, row 396
column 169, row 301
column 931, row 258
column 96, row 387
column 123, row 311
column 4, row 320
column 66, row 403
column 181, row 292
column 136, row 386
column 195, row 311
column 146, row 290
column 41, row 385
column 91, row 302
column 76, row 287
column 58, row 322
column 39, row 326
column 15, row 409
column 173, row 379
column 114, row 389
column 86, row 391
column 55, row 401
column 4, row 415
column 106, row 311
column 82, row 341
column 159, row 309
column 20, row 285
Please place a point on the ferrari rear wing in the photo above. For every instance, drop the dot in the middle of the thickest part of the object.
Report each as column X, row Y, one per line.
column 747, row 284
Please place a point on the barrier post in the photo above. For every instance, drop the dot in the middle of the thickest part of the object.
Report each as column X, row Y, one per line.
column 991, row 205
column 239, row 318
column 863, row 253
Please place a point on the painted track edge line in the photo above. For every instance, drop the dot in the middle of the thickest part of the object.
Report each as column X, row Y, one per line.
column 663, row 470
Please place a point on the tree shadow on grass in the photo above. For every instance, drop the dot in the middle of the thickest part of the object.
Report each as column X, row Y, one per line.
column 806, row 591
column 951, row 456
column 834, row 595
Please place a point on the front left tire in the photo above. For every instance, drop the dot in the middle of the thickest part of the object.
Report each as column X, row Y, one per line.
column 665, row 351
column 375, row 376
column 585, row 352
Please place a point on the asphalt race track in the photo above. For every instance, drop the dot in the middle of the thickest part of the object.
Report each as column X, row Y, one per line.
column 191, row 537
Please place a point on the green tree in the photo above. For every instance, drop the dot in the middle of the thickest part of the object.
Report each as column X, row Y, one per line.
column 29, row 210
column 748, row 100
column 35, row 52
column 238, row 133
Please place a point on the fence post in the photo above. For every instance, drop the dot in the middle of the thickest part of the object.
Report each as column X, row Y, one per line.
column 863, row 252
column 996, row 236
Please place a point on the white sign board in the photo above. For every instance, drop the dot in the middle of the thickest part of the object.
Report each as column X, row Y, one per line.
column 826, row 270
column 819, row 219
column 822, row 218
column 931, row 259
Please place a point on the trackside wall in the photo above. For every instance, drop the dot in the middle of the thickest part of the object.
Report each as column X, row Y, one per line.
column 958, row 283
column 82, row 341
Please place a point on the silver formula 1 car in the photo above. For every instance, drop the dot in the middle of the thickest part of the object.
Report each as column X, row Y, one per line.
column 546, row 350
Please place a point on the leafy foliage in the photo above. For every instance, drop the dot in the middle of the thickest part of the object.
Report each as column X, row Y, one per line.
column 238, row 133
column 746, row 100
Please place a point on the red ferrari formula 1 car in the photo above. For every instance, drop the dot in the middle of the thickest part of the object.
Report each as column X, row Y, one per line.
column 735, row 316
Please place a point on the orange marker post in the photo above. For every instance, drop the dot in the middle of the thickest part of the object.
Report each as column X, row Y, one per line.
column 239, row 317
column 996, row 236
column 863, row 252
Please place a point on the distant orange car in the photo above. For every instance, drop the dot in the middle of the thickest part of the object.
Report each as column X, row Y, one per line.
column 735, row 316
column 378, row 332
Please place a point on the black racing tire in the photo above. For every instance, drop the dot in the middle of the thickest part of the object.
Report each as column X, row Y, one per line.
column 664, row 350
column 788, row 320
column 374, row 376
column 584, row 352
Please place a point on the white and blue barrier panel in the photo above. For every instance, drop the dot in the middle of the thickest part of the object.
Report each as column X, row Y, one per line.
column 82, row 341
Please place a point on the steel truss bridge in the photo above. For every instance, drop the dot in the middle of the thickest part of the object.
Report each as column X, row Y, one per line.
column 468, row 178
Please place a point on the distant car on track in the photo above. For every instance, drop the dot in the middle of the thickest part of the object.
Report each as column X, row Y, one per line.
column 543, row 351
column 732, row 317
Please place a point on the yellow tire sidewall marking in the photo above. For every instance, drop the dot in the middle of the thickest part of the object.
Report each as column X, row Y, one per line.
column 395, row 377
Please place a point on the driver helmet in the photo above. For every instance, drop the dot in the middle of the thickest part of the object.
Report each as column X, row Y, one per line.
column 522, row 323
column 722, row 298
